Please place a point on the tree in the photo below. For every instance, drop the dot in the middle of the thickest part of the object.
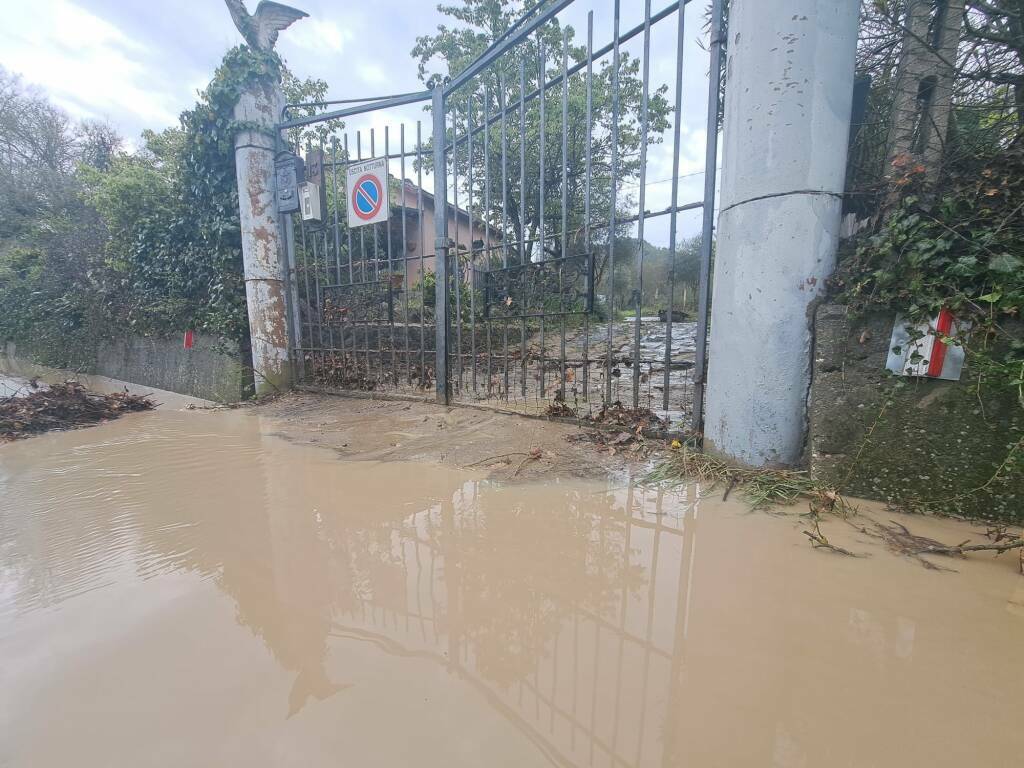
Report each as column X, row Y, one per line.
column 38, row 155
column 51, row 241
column 657, row 274
column 452, row 49
column 994, row 53
column 937, row 168
column 947, row 86
column 97, row 240
column 175, row 244
column 923, row 89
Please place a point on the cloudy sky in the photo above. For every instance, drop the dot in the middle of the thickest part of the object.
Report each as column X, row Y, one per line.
column 138, row 63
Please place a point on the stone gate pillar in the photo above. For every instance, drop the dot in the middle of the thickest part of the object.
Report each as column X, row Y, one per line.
column 259, row 108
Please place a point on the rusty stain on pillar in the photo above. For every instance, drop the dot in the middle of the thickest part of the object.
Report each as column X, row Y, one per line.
column 262, row 241
column 259, row 109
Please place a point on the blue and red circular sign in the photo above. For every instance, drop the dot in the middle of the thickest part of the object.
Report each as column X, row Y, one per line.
column 367, row 197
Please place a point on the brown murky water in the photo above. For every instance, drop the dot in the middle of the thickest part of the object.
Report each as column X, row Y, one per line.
column 183, row 589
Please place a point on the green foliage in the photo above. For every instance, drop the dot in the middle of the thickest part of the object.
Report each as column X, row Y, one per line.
column 50, row 240
column 454, row 48
column 43, row 311
column 197, row 260
column 103, row 241
column 658, row 267
column 963, row 250
column 428, row 285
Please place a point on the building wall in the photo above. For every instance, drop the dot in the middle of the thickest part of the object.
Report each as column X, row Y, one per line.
column 914, row 441
column 459, row 230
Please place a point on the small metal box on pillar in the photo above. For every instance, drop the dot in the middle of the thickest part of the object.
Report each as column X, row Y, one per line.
column 313, row 191
column 289, row 172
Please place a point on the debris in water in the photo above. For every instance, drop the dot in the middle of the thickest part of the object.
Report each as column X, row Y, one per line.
column 899, row 538
column 820, row 541
column 615, row 443
column 535, row 454
column 560, row 409
column 762, row 487
column 639, row 419
column 64, row 406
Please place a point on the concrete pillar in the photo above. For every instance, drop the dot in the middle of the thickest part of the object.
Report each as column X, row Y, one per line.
column 262, row 238
column 788, row 96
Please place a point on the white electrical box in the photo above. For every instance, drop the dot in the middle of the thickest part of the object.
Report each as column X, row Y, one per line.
column 309, row 196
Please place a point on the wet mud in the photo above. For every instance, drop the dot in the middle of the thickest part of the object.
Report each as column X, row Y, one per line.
column 318, row 583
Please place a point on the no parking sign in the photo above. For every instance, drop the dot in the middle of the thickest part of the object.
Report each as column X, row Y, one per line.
column 367, row 193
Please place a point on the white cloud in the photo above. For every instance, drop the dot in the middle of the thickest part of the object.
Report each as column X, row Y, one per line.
column 372, row 74
column 139, row 64
column 325, row 36
column 87, row 65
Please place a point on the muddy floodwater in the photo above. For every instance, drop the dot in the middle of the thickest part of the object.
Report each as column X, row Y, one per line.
column 188, row 588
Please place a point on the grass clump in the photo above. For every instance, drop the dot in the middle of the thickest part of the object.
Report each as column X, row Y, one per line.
column 761, row 488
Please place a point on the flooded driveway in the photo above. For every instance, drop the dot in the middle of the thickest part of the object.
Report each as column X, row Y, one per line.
column 187, row 588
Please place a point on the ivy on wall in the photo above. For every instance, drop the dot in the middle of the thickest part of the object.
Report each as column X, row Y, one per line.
column 961, row 248
column 202, row 246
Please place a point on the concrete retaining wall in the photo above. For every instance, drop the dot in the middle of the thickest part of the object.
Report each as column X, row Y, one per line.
column 206, row 370
column 935, row 442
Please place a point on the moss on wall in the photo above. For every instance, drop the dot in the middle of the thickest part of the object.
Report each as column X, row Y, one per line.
column 925, row 444
column 213, row 369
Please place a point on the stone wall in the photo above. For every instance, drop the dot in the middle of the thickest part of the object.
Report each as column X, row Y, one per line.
column 208, row 370
column 915, row 441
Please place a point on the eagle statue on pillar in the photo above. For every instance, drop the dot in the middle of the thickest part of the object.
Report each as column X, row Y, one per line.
column 260, row 29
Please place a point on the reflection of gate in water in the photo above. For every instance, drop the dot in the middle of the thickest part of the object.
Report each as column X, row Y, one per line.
column 592, row 682
column 509, row 281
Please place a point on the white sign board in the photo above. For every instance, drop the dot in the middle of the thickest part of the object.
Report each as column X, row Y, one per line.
column 367, row 193
column 919, row 350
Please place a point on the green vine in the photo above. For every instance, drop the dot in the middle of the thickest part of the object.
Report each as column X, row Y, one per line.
column 210, row 195
column 962, row 249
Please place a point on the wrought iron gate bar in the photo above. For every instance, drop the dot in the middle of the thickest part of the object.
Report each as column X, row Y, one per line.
column 609, row 362
column 508, row 290
column 340, row 114
column 502, row 45
column 708, row 224
column 644, row 115
column 592, row 56
column 541, row 183
column 486, row 294
column 333, row 102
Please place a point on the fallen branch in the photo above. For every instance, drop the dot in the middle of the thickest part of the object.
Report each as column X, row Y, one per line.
column 960, row 549
column 64, row 406
column 762, row 488
column 899, row 538
column 820, row 541
column 535, row 454
column 496, row 458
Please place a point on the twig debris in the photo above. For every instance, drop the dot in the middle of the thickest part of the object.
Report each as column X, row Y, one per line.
column 64, row 406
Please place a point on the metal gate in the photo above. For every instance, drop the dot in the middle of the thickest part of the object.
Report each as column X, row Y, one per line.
column 522, row 277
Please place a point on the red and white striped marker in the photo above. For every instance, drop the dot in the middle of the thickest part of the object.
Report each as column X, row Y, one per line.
column 928, row 355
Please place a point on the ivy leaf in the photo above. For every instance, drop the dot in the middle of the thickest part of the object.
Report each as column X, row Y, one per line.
column 1005, row 262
